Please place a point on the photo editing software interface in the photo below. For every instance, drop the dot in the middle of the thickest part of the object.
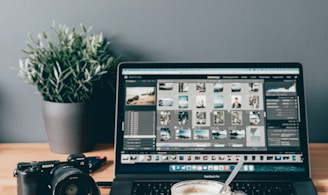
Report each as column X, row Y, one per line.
column 207, row 119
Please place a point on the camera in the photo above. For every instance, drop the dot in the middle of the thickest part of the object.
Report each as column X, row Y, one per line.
column 55, row 177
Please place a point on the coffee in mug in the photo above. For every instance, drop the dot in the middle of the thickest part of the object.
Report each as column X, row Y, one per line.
column 199, row 187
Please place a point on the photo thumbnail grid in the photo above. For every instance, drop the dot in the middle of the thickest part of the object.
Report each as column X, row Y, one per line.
column 211, row 111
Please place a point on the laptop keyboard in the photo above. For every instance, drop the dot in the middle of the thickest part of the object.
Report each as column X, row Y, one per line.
column 264, row 188
column 250, row 188
column 152, row 188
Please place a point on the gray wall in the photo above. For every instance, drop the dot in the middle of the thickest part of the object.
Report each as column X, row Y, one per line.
column 173, row 30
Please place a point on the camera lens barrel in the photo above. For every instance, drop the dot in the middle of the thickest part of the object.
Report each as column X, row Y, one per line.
column 68, row 180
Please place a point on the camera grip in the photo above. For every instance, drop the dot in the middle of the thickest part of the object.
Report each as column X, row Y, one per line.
column 26, row 183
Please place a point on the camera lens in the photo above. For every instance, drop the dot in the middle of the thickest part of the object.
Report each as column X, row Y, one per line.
column 71, row 189
column 72, row 181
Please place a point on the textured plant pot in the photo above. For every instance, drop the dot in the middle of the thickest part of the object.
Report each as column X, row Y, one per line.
column 67, row 127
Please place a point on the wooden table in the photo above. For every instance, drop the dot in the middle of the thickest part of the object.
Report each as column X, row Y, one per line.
column 12, row 153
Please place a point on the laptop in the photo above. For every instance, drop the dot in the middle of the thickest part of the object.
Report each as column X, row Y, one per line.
column 191, row 121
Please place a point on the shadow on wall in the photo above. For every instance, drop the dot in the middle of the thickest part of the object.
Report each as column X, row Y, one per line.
column 104, row 99
column 103, row 115
column 127, row 51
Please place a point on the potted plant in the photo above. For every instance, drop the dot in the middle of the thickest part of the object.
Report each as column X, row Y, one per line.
column 66, row 66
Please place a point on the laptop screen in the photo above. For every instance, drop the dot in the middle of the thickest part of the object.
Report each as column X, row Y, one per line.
column 205, row 117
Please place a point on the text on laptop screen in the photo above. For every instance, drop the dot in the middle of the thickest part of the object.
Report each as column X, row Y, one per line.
column 211, row 115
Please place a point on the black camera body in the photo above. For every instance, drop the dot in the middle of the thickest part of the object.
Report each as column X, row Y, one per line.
column 55, row 177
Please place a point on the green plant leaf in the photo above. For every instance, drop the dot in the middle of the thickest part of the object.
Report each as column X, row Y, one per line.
column 68, row 67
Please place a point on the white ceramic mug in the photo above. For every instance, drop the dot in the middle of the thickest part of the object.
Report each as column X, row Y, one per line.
column 199, row 187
